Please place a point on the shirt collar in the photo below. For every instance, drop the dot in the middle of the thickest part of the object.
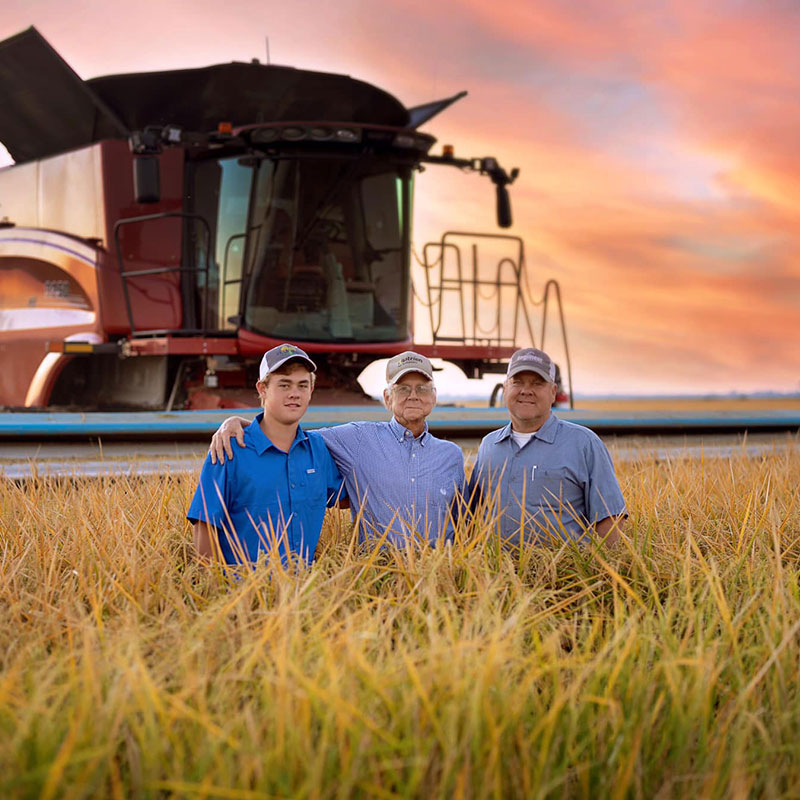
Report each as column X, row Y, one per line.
column 399, row 432
column 259, row 439
column 547, row 433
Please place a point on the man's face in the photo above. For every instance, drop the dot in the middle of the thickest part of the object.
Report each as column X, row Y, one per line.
column 529, row 398
column 411, row 399
column 286, row 395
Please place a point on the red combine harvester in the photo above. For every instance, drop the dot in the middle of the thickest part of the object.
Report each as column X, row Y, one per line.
column 160, row 231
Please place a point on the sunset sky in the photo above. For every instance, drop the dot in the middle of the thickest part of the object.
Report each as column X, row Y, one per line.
column 658, row 144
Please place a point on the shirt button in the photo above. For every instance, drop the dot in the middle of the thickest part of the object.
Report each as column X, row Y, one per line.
column 413, row 455
column 292, row 486
column 412, row 480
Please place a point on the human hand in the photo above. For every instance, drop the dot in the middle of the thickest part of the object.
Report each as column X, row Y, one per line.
column 221, row 440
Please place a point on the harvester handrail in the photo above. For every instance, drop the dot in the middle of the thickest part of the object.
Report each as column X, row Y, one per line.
column 441, row 287
column 479, row 291
column 555, row 286
column 126, row 274
column 487, row 290
column 226, row 281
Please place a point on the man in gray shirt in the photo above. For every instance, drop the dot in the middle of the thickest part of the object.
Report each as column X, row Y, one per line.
column 540, row 478
column 401, row 480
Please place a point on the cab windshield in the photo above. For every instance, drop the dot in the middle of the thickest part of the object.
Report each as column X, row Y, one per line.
column 321, row 254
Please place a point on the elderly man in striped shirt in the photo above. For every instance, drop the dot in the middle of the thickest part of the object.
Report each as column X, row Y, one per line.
column 403, row 482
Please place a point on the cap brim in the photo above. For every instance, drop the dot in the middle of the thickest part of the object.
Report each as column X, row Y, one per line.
column 528, row 368
column 294, row 357
column 402, row 372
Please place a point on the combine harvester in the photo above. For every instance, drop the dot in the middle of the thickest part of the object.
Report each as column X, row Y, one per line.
column 160, row 231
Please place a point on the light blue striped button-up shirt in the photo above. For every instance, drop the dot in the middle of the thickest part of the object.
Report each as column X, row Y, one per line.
column 397, row 482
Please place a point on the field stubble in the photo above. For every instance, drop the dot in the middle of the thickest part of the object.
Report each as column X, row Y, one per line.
column 666, row 668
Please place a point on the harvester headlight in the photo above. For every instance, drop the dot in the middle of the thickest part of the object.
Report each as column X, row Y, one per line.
column 319, row 133
column 264, row 135
column 347, row 135
column 293, row 134
column 404, row 140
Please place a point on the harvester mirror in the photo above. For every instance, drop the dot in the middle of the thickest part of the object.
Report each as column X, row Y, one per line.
column 146, row 179
column 503, row 206
column 501, row 179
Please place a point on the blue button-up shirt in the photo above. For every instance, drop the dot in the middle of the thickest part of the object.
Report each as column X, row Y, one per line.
column 266, row 497
column 398, row 483
column 557, row 485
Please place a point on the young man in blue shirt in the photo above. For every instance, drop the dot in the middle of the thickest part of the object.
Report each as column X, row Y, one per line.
column 541, row 478
column 273, row 496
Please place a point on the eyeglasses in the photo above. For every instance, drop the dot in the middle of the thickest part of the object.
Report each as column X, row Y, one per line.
column 403, row 390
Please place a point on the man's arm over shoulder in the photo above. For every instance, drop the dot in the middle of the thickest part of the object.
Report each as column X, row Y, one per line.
column 344, row 442
column 232, row 427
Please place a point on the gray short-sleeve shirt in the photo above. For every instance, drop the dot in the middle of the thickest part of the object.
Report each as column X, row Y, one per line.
column 556, row 486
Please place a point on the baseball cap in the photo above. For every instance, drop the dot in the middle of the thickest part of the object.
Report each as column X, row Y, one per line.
column 407, row 362
column 529, row 359
column 280, row 355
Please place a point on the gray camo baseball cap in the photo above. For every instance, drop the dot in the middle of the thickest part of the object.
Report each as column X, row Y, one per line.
column 529, row 359
column 279, row 355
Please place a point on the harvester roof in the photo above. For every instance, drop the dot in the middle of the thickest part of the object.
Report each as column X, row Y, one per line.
column 47, row 108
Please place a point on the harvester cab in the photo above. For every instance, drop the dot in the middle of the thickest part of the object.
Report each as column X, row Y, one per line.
column 161, row 230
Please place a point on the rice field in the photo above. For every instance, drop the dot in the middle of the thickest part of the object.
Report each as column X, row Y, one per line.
column 668, row 667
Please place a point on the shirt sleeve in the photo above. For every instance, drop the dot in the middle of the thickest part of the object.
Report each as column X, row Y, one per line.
column 343, row 442
column 457, row 507
column 335, row 482
column 210, row 500
column 473, row 496
column 603, row 496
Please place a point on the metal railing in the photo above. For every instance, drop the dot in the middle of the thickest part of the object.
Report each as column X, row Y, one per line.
column 467, row 288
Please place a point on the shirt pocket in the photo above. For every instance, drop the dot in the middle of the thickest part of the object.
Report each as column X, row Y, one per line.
column 316, row 489
column 444, row 492
column 556, row 489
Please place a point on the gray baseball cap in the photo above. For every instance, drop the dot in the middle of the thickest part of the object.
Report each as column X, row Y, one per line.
column 407, row 362
column 529, row 359
column 280, row 355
